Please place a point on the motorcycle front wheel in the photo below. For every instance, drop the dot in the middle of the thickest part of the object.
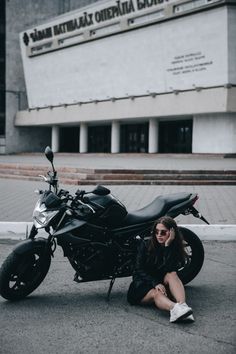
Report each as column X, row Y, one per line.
column 195, row 251
column 20, row 275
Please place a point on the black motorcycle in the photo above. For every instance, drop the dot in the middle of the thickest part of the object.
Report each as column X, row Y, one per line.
column 97, row 234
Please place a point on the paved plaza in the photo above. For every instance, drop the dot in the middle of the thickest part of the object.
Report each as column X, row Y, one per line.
column 216, row 203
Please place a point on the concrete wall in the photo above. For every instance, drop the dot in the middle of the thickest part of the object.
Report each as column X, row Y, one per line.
column 169, row 106
column 20, row 15
column 232, row 44
column 175, row 55
column 214, row 133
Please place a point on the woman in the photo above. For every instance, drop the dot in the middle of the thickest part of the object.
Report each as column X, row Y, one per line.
column 155, row 279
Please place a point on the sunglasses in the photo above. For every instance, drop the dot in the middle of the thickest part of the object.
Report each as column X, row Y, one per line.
column 161, row 232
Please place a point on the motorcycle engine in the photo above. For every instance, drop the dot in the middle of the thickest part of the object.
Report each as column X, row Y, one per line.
column 92, row 261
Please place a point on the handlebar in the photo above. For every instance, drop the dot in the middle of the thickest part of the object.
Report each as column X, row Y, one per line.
column 76, row 201
column 51, row 179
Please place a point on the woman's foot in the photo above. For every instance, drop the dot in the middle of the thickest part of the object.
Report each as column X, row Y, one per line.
column 180, row 311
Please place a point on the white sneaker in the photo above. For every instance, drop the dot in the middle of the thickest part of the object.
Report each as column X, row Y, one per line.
column 180, row 311
column 184, row 305
column 189, row 318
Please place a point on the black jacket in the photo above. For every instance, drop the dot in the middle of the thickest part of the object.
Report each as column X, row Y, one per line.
column 152, row 270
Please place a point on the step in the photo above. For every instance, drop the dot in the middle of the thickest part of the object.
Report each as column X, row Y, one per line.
column 72, row 175
column 161, row 176
column 149, row 182
column 123, row 177
column 126, row 182
column 42, row 169
column 140, row 176
column 20, row 177
column 35, row 173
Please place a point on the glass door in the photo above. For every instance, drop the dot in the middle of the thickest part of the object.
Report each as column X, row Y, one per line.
column 134, row 138
column 175, row 136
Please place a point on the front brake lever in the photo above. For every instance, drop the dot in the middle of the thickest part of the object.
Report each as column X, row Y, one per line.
column 44, row 178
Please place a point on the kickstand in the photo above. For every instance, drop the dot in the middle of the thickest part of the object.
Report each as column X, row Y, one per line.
column 110, row 288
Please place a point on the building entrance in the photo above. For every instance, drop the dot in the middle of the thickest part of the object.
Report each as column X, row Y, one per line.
column 134, row 138
column 99, row 138
column 69, row 139
column 175, row 136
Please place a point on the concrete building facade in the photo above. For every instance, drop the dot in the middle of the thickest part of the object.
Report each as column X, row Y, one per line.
column 123, row 76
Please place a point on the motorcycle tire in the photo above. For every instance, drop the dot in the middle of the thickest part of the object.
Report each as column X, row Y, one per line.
column 194, row 249
column 20, row 275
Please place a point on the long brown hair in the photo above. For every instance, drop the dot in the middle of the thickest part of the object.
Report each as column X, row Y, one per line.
column 178, row 241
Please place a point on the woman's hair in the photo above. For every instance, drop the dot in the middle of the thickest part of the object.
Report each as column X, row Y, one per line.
column 178, row 241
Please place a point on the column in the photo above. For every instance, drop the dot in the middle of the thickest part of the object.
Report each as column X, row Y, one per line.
column 55, row 138
column 153, row 136
column 115, row 137
column 83, row 138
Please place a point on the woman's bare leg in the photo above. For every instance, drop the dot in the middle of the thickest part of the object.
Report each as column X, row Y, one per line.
column 161, row 301
column 175, row 286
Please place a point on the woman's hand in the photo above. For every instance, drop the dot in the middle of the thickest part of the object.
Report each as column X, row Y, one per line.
column 170, row 238
column 161, row 288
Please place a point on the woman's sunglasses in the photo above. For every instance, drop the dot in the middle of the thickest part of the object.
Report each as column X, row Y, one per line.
column 161, row 232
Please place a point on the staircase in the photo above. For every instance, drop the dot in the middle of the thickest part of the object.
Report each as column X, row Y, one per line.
column 82, row 176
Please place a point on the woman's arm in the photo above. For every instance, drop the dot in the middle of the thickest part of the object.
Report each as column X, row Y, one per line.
column 171, row 259
column 140, row 273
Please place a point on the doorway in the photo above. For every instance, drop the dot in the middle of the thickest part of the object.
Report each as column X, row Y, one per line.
column 99, row 138
column 69, row 139
column 134, row 138
column 175, row 136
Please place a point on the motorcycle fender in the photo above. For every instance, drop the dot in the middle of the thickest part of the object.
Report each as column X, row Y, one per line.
column 29, row 244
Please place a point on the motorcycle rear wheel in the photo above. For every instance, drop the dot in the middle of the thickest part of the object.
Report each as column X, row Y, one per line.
column 20, row 275
column 194, row 249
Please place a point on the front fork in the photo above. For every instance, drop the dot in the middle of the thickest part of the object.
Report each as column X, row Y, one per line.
column 32, row 234
column 50, row 241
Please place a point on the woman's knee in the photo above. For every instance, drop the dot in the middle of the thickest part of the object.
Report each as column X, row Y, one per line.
column 170, row 277
column 153, row 293
column 149, row 297
column 157, row 294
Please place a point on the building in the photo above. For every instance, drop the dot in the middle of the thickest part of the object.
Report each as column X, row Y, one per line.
column 122, row 76
column 2, row 77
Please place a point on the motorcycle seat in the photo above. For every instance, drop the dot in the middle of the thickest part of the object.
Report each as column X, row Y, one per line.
column 158, row 207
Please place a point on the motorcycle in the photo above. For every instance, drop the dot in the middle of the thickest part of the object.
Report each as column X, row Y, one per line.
column 98, row 236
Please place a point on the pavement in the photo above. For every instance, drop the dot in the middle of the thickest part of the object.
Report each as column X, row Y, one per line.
column 63, row 317
column 217, row 202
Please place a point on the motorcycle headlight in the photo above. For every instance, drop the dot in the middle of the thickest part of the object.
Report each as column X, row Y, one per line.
column 42, row 216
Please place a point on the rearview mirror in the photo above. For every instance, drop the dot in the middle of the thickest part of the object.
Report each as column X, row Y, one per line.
column 49, row 154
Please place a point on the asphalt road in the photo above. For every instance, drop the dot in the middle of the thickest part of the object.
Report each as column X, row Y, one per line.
column 64, row 317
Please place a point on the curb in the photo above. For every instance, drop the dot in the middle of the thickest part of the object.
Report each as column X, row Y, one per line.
column 217, row 232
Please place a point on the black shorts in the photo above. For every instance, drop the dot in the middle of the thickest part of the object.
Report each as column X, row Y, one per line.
column 139, row 288
column 137, row 291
